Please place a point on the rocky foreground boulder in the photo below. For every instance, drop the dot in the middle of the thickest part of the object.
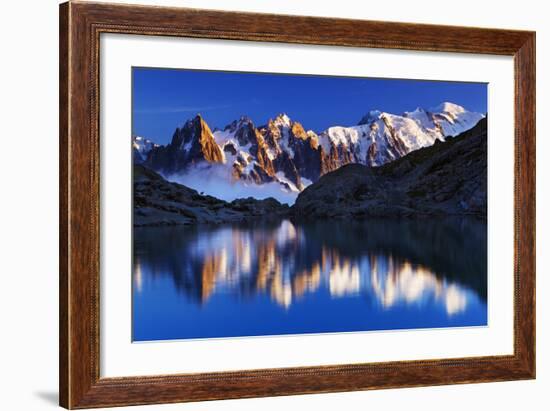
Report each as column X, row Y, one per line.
column 448, row 178
column 158, row 202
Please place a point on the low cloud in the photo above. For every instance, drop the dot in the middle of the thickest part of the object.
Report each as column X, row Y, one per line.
column 216, row 181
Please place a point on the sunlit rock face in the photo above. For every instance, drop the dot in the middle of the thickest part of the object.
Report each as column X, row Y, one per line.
column 286, row 263
column 191, row 144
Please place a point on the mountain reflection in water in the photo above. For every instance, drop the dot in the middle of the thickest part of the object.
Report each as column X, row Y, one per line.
column 282, row 278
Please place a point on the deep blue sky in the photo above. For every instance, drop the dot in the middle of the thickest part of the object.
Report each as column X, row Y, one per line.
column 164, row 99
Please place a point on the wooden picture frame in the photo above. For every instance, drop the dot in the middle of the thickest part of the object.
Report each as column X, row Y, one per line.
column 80, row 27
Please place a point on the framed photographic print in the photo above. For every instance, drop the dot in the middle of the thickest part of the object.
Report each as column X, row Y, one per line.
column 256, row 205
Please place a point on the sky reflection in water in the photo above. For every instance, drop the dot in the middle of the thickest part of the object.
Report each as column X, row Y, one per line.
column 286, row 278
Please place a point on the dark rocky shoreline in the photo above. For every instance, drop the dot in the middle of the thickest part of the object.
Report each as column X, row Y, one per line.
column 158, row 202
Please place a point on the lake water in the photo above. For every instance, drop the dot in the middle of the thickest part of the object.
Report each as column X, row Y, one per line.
column 289, row 278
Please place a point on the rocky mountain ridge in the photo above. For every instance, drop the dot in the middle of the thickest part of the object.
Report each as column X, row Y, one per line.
column 283, row 152
column 448, row 178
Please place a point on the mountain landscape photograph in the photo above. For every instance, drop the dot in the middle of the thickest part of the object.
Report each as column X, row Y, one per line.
column 272, row 204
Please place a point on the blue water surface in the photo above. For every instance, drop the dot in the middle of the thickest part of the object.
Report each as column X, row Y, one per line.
column 285, row 277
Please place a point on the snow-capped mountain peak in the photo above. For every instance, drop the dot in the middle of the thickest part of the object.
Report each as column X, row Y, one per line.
column 418, row 110
column 282, row 119
column 284, row 155
column 371, row 116
column 447, row 107
column 453, row 119
column 381, row 137
column 141, row 148
column 236, row 123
